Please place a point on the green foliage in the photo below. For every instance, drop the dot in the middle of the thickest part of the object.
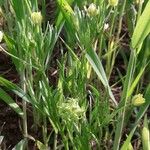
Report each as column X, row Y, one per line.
column 20, row 145
column 8, row 100
column 139, row 116
column 81, row 109
column 142, row 28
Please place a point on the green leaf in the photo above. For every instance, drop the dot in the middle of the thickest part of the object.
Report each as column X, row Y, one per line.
column 41, row 146
column 98, row 68
column 13, row 87
column 8, row 100
column 135, row 82
column 66, row 10
column 19, row 10
column 142, row 28
column 20, row 145
column 124, row 99
column 146, row 135
column 1, row 139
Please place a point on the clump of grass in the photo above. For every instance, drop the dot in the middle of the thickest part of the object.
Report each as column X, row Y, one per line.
column 81, row 109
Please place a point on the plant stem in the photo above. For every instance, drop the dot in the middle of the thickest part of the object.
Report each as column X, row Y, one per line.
column 123, row 103
column 25, row 127
column 120, row 20
column 45, row 132
column 109, row 64
column 55, row 142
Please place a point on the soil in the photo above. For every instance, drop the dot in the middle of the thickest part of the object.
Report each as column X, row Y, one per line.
column 9, row 126
column 9, row 121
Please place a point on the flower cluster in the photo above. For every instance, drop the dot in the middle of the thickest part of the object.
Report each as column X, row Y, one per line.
column 92, row 10
column 36, row 18
column 138, row 100
column 70, row 110
column 113, row 3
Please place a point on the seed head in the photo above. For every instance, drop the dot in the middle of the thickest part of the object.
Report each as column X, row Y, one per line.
column 36, row 18
column 70, row 110
column 138, row 100
column 92, row 10
column 113, row 3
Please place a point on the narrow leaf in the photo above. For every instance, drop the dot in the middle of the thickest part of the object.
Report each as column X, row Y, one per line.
column 13, row 87
column 142, row 28
column 8, row 100
column 20, row 145
column 98, row 68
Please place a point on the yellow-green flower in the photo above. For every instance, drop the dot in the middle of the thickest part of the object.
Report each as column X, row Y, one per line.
column 92, row 10
column 70, row 110
column 138, row 100
column 113, row 3
column 36, row 18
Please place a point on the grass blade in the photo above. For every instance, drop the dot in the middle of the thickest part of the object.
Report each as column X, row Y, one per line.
column 142, row 28
column 13, row 87
column 8, row 100
column 20, row 145
column 146, row 135
column 124, row 99
column 98, row 68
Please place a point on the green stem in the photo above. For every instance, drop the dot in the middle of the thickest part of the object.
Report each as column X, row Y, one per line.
column 113, row 22
column 123, row 103
column 120, row 20
column 25, row 126
column 109, row 58
column 45, row 132
column 55, row 142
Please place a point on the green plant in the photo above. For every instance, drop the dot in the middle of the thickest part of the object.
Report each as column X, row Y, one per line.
column 81, row 110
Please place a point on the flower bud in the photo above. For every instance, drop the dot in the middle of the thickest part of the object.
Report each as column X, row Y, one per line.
column 1, row 36
column 92, row 10
column 36, row 18
column 113, row 3
column 138, row 100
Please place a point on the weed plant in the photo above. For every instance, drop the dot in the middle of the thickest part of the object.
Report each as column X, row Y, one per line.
column 81, row 111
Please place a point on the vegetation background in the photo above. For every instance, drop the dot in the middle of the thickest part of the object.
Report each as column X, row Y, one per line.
column 74, row 74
